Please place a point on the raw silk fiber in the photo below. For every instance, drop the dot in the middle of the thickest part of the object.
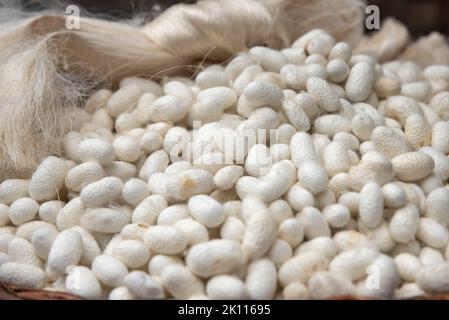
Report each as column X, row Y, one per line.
column 47, row 71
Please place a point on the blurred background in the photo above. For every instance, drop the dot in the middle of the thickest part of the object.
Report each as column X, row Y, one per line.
column 420, row 16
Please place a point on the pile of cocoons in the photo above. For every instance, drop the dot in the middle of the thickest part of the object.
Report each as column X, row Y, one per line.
column 162, row 192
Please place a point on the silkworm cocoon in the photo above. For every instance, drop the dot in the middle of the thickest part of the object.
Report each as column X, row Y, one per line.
column 91, row 248
column 48, row 179
column 302, row 149
column 291, row 231
column 371, row 205
column 237, row 65
column 65, row 251
column 294, row 55
column 245, row 77
column 301, row 267
column 23, row 210
column 429, row 114
column 430, row 183
column 417, row 131
column 13, row 189
column 340, row 183
column 148, row 209
column 432, row 233
column 101, row 192
column 404, row 224
column 437, row 204
column 408, row 291
column 389, row 142
column 296, row 115
column 225, row 287
column 325, row 198
column 336, row 158
column 22, row 276
column 211, row 77
column 123, row 100
column 360, row 82
column 362, row 125
column 387, row 280
column 350, row 240
column 82, row 282
column 120, row 293
column 440, row 104
column 436, row 71
column 341, row 50
column 104, row 220
column 42, row 241
column 4, row 215
column 180, row 282
column 194, row 231
column 331, row 124
column 440, row 136
column 314, row 223
column 270, row 59
column 429, row 256
column 133, row 231
column 353, row 263
column 4, row 258
column 165, row 239
column 351, row 201
column 262, row 93
column 379, row 171
column 419, row 90
column 386, row 87
column 281, row 210
column 70, row 214
column 156, row 162
column 144, row 84
column 328, row 285
column 21, row 251
column 133, row 253
column 159, row 263
column 280, row 252
column 109, row 270
column 178, row 166
column 408, row 266
column 6, row 235
column 134, row 191
column 312, row 177
column 273, row 78
column 315, row 59
column 126, row 121
column 394, row 196
column 121, row 169
column 83, row 174
column 214, row 257
column 172, row 214
column 295, row 291
column 337, row 70
column 97, row 100
column 261, row 280
column 308, row 105
column 185, row 184
column 276, row 182
column 323, row 93
column 126, row 148
column 233, row 229
column 168, row 108
column 226, row 177
column 401, row 108
column 150, row 142
column 206, row 210
column 337, row 216
column 158, row 183
column 412, row 166
column 434, row 279
column 261, row 227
